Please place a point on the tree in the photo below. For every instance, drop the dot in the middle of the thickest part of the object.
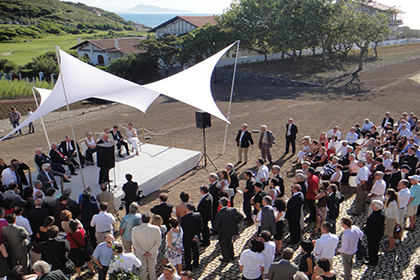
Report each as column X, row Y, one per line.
column 165, row 48
column 46, row 63
column 251, row 22
column 202, row 43
column 7, row 66
column 140, row 68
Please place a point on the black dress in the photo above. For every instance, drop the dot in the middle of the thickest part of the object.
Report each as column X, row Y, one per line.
column 303, row 266
column 4, row 267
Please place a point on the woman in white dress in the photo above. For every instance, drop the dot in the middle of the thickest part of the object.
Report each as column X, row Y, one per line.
column 132, row 137
column 174, row 247
column 91, row 148
column 306, row 143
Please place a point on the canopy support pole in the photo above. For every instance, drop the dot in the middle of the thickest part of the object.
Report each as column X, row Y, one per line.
column 42, row 119
column 231, row 94
column 70, row 118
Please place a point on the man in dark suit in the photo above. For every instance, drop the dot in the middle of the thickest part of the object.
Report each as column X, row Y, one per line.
column 275, row 169
column 214, row 190
column 37, row 215
column 374, row 230
column 58, row 158
column 60, row 206
column 205, row 208
column 226, row 224
column 291, row 131
column 130, row 192
column 72, row 204
column 46, row 176
column 387, row 119
column 268, row 221
column 41, row 158
column 333, row 205
column 284, row 269
column 20, row 173
column 116, row 134
column 410, row 159
column 249, row 192
column 234, row 182
column 192, row 225
column 70, row 148
column 17, row 243
column 243, row 141
column 265, row 143
column 163, row 209
column 43, row 270
column 293, row 213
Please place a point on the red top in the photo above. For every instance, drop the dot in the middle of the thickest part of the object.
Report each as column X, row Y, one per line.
column 7, row 212
column 313, row 187
column 79, row 236
column 3, row 223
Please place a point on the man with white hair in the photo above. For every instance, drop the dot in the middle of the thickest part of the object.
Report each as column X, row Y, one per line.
column 374, row 230
column 46, row 176
column 265, row 143
column 361, row 181
column 342, row 150
column 43, row 270
column 378, row 189
column 243, row 141
column 128, row 222
column 262, row 174
column 58, row 158
column 405, row 131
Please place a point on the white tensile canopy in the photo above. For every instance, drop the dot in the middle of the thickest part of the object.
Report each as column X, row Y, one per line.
column 81, row 81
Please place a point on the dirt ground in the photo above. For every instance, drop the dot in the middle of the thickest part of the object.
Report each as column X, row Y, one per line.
column 314, row 110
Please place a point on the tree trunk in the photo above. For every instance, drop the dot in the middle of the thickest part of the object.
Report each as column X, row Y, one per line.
column 375, row 48
column 313, row 50
column 363, row 51
column 324, row 53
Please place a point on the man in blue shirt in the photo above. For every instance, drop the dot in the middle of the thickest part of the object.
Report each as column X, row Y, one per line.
column 103, row 255
column 128, row 222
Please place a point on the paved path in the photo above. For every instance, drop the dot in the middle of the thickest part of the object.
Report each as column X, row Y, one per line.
column 398, row 264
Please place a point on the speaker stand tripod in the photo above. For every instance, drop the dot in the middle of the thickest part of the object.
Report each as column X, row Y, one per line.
column 204, row 156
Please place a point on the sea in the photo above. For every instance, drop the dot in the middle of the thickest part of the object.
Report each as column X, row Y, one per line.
column 153, row 20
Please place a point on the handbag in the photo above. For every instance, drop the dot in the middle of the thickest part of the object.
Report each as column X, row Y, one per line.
column 67, row 268
column 398, row 232
column 85, row 249
column 361, row 250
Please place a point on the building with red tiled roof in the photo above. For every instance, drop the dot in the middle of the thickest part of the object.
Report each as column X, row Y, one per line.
column 181, row 25
column 102, row 51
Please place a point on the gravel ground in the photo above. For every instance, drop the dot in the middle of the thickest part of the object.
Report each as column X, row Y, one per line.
column 314, row 110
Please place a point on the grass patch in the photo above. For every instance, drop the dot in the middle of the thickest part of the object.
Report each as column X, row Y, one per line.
column 23, row 51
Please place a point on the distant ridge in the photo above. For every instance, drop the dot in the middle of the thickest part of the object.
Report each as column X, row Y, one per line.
column 150, row 9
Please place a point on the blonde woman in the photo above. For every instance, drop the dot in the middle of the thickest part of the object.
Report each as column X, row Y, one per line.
column 306, row 143
column 132, row 137
column 91, row 148
column 158, row 221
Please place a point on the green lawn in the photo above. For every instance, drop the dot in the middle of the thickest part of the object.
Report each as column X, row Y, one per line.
column 22, row 52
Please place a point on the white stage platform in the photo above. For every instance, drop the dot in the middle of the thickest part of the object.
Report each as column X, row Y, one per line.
column 153, row 168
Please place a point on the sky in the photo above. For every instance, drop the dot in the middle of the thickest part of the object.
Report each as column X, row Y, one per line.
column 410, row 7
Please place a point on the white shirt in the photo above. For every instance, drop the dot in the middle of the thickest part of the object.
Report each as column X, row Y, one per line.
column 9, row 176
column 388, row 165
column 325, row 246
column 362, row 175
column 176, row 277
column 406, row 133
column 379, row 187
column 242, row 135
column 337, row 176
column 341, row 151
column 102, row 221
column 125, row 261
column 352, row 137
column 349, row 240
column 262, row 173
column 269, row 251
column 252, row 263
column 392, row 212
column 23, row 222
column 404, row 197
column 331, row 132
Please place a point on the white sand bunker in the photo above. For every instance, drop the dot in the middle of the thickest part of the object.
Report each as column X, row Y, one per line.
column 416, row 78
column 7, row 53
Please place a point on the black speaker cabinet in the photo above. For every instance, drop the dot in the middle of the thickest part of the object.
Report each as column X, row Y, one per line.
column 105, row 155
column 202, row 119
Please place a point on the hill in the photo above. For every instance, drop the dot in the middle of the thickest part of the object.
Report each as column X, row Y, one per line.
column 141, row 8
column 66, row 13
